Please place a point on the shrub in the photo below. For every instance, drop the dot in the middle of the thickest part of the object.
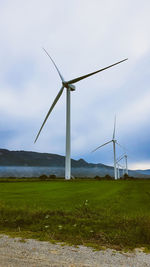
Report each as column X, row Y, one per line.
column 108, row 177
column 43, row 177
column 52, row 176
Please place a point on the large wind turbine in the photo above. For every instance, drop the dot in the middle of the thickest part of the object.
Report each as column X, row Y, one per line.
column 114, row 141
column 69, row 87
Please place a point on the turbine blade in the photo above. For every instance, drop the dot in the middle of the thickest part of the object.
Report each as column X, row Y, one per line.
column 87, row 75
column 101, row 146
column 50, row 110
column 114, row 128
column 120, row 158
column 61, row 77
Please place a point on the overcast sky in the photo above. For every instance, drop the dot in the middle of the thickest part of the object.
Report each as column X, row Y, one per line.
column 81, row 36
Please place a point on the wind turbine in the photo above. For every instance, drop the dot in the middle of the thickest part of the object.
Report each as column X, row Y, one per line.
column 122, row 167
column 117, row 162
column 114, row 141
column 118, row 169
column 124, row 156
column 69, row 85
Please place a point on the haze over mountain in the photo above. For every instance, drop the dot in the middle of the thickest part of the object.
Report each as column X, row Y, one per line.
column 28, row 163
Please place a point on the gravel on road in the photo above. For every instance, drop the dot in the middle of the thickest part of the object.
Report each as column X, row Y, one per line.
column 15, row 252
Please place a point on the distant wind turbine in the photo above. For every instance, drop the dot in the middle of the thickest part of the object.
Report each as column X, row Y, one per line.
column 124, row 156
column 123, row 168
column 118, row 167
column 114, row 141
column 118, row 173
column 69, row 87
column 126, row 162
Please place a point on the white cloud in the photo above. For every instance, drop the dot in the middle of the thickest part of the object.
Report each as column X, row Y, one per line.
column 140, row 165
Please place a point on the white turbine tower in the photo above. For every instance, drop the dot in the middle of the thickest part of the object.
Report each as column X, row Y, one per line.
column 114, row 141
column 69, row 87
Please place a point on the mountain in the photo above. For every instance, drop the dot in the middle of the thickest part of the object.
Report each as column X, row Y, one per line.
column 146, row 172
column 28, row 158
column 27, row 163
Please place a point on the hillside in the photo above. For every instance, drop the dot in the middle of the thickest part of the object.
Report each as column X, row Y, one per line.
column 34, row 164
column 28, row 158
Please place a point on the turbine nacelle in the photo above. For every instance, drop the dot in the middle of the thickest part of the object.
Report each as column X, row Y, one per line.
column 69, row 86
column 72, row 87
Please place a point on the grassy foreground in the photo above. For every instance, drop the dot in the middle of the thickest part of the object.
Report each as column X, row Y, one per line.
column 97, row 213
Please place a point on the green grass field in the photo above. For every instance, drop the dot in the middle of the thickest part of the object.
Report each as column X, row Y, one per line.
column 96, row 213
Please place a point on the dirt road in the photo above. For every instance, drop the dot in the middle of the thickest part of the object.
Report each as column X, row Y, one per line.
column 14, row 252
